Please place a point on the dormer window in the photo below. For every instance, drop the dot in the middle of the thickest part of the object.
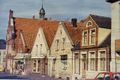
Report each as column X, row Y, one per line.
column 85, row 38
column 89, row 24
column 92, row 36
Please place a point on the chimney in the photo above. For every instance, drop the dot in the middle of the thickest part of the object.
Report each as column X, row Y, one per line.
column 10, row 13
column 74, row 22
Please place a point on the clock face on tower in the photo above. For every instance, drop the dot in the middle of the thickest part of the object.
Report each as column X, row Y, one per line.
column 89, row 24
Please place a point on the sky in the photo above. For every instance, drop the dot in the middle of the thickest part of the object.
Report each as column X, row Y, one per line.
column 55, row 9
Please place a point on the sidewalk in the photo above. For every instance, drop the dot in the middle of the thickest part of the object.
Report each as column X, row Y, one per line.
column 37, row 76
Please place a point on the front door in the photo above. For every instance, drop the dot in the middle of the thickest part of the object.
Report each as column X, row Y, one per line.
column 45, row 66
column 84, row 63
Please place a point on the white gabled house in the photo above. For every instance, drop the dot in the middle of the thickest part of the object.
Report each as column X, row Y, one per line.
column 62, row 63
column 39, row 52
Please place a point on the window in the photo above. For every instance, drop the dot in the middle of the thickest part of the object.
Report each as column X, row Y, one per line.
column 64, row 59
column 41, row 48
column 92, row 37
column 76, row 63
column 85, row 38
column 39, row 65
column 61, row 32
column 57, row 44
column 36, row 50
column 102, row 61
column 92, row 61
column 100, row 77
column 89, row 24
column 107, row 77
column 63, row 43
column 34, row 65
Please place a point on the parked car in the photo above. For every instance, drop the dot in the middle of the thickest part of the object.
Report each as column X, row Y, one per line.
column 108, row 76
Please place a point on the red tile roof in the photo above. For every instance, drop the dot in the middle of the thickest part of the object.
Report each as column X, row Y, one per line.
column 29, row 28
column 74, row 32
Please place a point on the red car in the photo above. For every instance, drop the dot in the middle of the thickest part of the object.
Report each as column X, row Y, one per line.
column 108, row 76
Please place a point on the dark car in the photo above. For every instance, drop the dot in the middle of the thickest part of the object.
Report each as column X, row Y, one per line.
column 108, row 76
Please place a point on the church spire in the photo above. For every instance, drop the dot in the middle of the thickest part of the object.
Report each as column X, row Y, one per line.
column 42, row 12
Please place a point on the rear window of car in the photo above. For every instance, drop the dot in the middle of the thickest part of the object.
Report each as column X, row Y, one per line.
column 100, row 77
column 116, row 76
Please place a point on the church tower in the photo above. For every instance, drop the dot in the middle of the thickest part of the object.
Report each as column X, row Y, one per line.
column 115, row 35
column 42, row 12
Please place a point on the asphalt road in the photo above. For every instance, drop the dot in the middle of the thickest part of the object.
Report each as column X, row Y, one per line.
column 4, row 76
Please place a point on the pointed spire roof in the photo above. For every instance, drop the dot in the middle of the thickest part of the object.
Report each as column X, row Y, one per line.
column 42, row 11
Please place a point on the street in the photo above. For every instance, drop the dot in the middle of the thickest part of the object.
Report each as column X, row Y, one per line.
column 4, row 75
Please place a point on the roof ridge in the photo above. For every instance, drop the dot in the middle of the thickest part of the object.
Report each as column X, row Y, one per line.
column 100, row 16
column 37, row 19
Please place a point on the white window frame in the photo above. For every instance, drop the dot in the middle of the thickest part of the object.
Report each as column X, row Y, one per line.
column 83, row 38
column 57, row 41
column 94, row 57
column 100, row 60
column 63, row 43
column 87, row 24
column 90, row 37
column 76, row 63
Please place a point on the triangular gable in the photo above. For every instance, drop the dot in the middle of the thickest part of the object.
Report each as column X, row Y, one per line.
column 97, row 21
column 71, row 33
column 61, row 33
column 20, row 42
column 89, row 22
column 40, row 45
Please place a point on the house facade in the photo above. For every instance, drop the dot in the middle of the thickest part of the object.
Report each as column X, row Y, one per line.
column 41, row 48
column 70, row 50
column 115, row 35
column 62, row 56
column 30, row 40
column 39, row 52
column 93, row 56
column 2, row 54
column 10, row 39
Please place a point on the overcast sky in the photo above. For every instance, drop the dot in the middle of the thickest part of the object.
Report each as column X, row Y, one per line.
column 55, row 9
